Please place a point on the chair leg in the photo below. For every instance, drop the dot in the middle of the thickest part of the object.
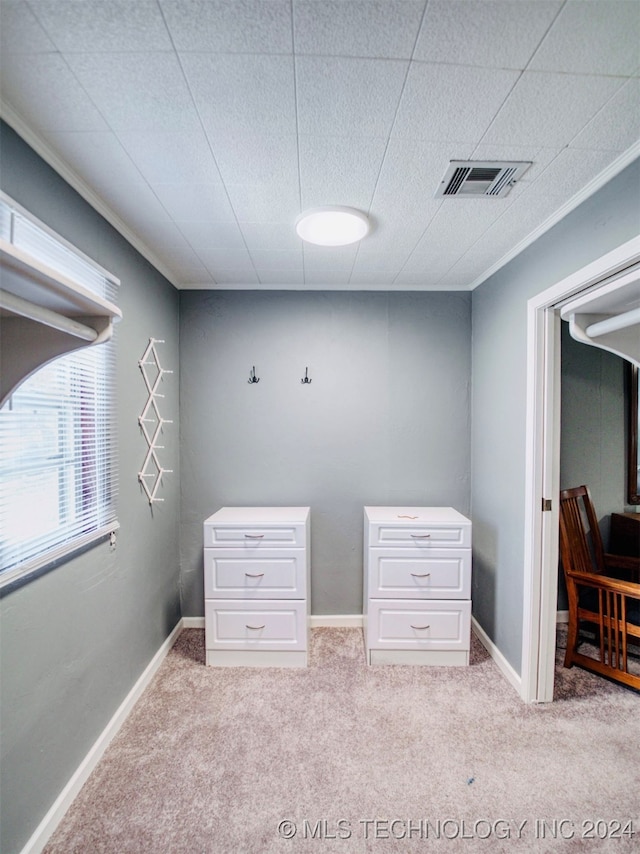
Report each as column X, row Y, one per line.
column 572, row 627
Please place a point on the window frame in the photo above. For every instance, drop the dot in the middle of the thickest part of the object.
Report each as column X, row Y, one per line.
column 46, row 247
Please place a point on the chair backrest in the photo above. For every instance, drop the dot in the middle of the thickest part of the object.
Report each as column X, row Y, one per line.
column 580, row 540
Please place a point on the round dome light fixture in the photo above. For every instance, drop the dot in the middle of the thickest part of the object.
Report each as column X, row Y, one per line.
column 332, row 226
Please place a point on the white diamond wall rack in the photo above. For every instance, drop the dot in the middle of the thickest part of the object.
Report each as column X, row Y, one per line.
column 151, row 421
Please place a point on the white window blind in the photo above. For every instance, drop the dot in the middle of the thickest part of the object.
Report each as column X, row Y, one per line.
column 58, row 470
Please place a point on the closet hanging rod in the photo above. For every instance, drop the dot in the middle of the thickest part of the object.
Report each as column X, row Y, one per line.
column 18, row 305
column 613, row 324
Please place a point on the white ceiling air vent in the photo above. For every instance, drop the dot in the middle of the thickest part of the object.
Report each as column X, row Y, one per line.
column 481, row 178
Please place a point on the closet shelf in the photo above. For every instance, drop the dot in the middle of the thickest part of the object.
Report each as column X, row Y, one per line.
column 610, row 319
column 44, row 314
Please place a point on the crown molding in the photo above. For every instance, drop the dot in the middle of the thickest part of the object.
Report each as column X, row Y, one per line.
column 15, row 120
column 588, row 190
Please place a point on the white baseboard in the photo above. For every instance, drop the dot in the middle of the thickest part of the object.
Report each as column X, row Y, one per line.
column 193, row 622
column 503, row 665
column 52, row 819
column 562, row 616
column 347, row 621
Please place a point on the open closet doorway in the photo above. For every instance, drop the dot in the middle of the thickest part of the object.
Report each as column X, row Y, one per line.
column 543, row 462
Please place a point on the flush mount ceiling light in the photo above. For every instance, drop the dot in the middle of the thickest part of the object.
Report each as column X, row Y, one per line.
column 332, row 226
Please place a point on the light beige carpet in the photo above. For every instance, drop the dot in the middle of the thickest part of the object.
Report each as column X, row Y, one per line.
column 342, row 757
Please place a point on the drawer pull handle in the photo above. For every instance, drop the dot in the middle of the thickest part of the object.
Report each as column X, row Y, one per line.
column 420, row 536
column 254, row 574
column 420, row 627
column 421, row 574
column 255, row 628
column 407, row 517
column 254, row 536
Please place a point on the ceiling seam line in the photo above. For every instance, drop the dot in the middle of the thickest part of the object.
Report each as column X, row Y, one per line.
column 295, row 101
column 520, row 76
column 213, row 156
column 388, row 140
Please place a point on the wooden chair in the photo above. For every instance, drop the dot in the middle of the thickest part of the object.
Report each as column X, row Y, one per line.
column 611, row 605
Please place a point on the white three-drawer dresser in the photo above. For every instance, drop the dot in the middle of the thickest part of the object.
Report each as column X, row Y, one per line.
column 256, row 583
column 417, row 585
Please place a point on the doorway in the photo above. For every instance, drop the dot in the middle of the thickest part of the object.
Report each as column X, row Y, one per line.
column 543, row 465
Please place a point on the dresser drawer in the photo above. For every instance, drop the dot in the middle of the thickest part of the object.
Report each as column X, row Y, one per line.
column 276, row 625
column 417, row 573
column 262, row 573
column 425, row 527
column 254, row 537
column 423, row 536
column 444, row 625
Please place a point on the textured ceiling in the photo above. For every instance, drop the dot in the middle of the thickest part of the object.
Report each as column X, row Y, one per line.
column 202, row 128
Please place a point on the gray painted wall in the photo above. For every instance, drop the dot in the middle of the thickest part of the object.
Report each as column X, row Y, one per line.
column 499, row 315
column 75, row 640
column 593, row 430
column 384, row 421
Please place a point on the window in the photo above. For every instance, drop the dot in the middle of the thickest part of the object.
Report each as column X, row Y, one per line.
column 58, row 478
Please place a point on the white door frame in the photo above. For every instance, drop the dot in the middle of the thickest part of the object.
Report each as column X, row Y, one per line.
column 543, row 467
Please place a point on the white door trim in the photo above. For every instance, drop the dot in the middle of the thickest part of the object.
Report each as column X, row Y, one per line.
column 542, row 467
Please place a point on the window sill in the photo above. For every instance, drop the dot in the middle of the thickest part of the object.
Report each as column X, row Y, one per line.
column 31, row 569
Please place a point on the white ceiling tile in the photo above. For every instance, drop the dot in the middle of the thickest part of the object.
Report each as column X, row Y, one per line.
column 196, row 202
column 245, row 95
column 103, row 25
column 279, row 277
column 617, row 125
column 353, row 197
column 376, row 279
column 45, row 93
column 264, row 260
column 549, row 109
column 433, row 260
column 202, row 195
column 446, row 103
column 173, row 250
column 242, row 278
column 594, row 37
column 368, row 260
column 494, row 34
column 319, row 259
column 98, row 158
column 265, row 203
column 238, row 260
column 229, row 26
column 522, row 218
column 395, row 235
column 460, row 222
column 272, row 236
column 137, row 91
column 172, row 158
column 349, row 97
column 458, row 279
column 423, row 281
column 258, row 160
column 134, row 203
column 211, row 235
column 166, row 233
column 20, row 31
column 569, row 172
column 339, row 170
column 365, row 28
